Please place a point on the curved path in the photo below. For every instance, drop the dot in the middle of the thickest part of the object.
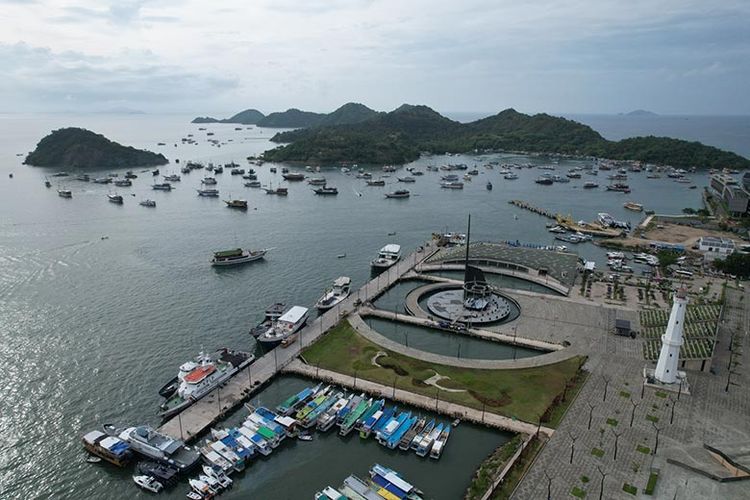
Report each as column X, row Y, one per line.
column 547, row 281
column 482, row 364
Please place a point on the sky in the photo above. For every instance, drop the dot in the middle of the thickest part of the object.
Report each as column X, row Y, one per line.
column 220, row 56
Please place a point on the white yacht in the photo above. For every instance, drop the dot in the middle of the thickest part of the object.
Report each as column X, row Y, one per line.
column 148, row 483
column 337, row 293
column 162, row 448
column 287, row 325
column 389, row 255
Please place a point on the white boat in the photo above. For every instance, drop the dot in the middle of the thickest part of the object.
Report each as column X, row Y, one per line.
column 148, row 483
column 337, row 293
column 399, row 193
column 288, row 324
column 452, row 185
column 218, row 474
column 236, row 256
column 208, row 180
column 115, row 198
column 172, row 178
column 164, row 186
column 510, row 176
column 65, row 193
column 209, row 192
column 389, row 255
column 317, row 181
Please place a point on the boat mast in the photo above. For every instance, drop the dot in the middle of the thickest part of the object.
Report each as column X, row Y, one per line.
column 466, row 261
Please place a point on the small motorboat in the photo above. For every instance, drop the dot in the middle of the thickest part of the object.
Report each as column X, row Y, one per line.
column 489, row 186
column 305, row 437
column 147, row 203
column 148, row 483
column 93, row 459
column 194, row 496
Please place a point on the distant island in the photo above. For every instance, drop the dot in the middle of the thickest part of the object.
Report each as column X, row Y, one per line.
column 401, row 135
column 78, row 148
column 640, row 112
column 295, row 118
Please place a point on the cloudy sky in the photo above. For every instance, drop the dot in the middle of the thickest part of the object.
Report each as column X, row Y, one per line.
column 215, row 57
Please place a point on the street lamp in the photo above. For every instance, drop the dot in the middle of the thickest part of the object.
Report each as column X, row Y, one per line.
column 601, row 488
column 656, row 443
column 591, row 412
column 632, row 414
column 572, row 445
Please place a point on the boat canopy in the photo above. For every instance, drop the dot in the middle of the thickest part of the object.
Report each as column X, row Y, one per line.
column 93, row 436
column 294, row 314
column 286, row 421
column 229, row 253
column 391, row 248
column 342, row 281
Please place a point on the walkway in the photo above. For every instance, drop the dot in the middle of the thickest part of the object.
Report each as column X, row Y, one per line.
column 546, row 281
column 483, row 364
column 214, row 406
column 418, row 400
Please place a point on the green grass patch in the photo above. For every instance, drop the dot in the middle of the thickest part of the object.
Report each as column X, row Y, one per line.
column 643, row 449
column 651, row 485
column 652, row 418
column 585, row 479
column 490, row 467
column 516, row 473
column 629, row 488
column 597, row 452
column 524, row 393
column 578, row 492
column 613, row 422
column 661, row 394
column 625, row 394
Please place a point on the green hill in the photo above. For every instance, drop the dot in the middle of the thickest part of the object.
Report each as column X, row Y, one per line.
column 400, row 136
column 291, row 118
column 247, row 117
column 351, row 112
column 78, row 148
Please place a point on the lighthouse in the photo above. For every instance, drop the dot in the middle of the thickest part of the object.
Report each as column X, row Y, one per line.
column 671, row 341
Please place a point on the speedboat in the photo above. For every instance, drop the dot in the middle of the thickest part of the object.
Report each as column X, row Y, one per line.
column 150, row 443
column 285, row 326
column 388, row 255
column 115, row 198
column 236, row 256
column 338, row 292
column 148, row 483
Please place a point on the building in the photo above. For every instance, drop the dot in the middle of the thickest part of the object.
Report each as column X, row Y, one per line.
column 666, row 367
column 746, row 181
column 711, row 244
column 728, row 189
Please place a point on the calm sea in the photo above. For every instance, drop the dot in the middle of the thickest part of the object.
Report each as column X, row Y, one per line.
column 100, row 303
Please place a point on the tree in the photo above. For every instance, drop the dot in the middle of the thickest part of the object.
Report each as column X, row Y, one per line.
column 737, row 264
column 666, row 258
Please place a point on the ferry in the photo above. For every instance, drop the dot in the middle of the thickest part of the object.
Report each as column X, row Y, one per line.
column 165, row 186
column 293, row 176
column 65, row 193
column 236, row 256
column 115, row 198
column 399, row 193
column 288, row 324
column 635, row 207
column 240, row 204
column 197, row 378
column 146, row 441
column 109, row 448
column 208, row 193
column 326, row 190
column 389, row 255
column 337, row 293
column 272, row 313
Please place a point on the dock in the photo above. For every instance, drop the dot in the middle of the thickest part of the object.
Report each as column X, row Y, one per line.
column 531, row 208
column 451, row 410
column 193, row 421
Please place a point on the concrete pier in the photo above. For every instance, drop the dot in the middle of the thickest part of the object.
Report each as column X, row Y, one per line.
column 189, row 424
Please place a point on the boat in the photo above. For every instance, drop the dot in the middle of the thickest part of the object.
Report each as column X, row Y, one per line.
column 155, row 172
column 60, row 174
column 164, row 186
column 573, row 237
column 546, row 181
column 208, row 192
column 395, row 439
column 236, row 256
column 237, row 171
column 115, row 198
column 317, row 181
column 619, row 187
column 489, row 186
column 279, row 191
column 510, row 176
column 590, row 185
column 47, row 183
column 327, row 418
column 91, row 459
column 272, row 313
column 148, row 442
column 406, row 179
column 388, row 255
column 253, row 184
column 384, row 434
column 338, row 292
column 110, row 448
column 201, row 488
column 391, row 483
column 407, row 438
column 102, row 180
column 202, row 375
column 439, row 445
column 288, row 324
column 65, row 193
column 218, row 474
column 422, row 434
column 452, row 185
column 165, row 474
column 219, row 170
column 348, row 424
column 172, row 178
column 208, row 180
column 293, row 176
column 326, row 190
column 123, row 183
column 399, row 193
column 147, row 203
column 425, row 445
column 635, row 207
column 148, row 483
column 557, row 229
column 273, row 170
column 250, row 176
column 241, row 204
column 376, row 182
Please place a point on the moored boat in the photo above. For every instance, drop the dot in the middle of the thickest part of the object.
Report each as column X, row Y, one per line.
column 399, row 193
column 148, row 483
column 635, row 207
column 388, row 255
column 326, row 190
column 148, row 442
column 293, row 176
column 338, row 292
column 240, row 204
column 236, row 256
column 115, row 198
column 288, row 324
column 164, row 186
column 147, row 203
column 208, row 192
column 64, row 193
column 110, row 448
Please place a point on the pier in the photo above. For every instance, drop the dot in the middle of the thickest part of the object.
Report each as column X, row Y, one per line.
column 425, row 402
column 200, row 416
column 531, row 208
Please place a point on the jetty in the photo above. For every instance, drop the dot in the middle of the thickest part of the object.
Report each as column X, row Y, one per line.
column 531, row 208
column 200, row 416
column 566, row 221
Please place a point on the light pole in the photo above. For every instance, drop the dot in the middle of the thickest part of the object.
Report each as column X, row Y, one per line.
column 591, row 413
column 601, row 487
column 572, row 445
column 549, row 486
column 606, row 385
column 671, row 416
column 617, row 437
column 632, row 414
column 656, row 443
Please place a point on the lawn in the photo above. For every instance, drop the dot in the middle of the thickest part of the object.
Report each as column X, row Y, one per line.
column 524, row 393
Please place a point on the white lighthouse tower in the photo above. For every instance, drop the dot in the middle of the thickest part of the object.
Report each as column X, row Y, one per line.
column 671, row 341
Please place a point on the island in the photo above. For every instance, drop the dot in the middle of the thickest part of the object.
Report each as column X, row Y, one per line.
column 401, row 135
column 246, row 117
column 78, row 148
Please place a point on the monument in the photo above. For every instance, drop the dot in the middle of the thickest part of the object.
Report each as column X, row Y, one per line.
column 666, row 368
